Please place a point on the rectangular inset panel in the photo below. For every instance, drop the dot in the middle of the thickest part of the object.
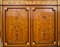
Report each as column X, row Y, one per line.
column 43, row 25
column 16, row 28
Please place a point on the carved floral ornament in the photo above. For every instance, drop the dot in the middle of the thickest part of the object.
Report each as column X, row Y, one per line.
column 29, row 2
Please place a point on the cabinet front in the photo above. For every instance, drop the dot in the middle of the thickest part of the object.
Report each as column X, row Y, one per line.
column 30, row 26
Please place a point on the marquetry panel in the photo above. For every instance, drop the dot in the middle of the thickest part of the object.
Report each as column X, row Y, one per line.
column 16, row 28
column 59, row 25
column 30, row 2
column 43, row 25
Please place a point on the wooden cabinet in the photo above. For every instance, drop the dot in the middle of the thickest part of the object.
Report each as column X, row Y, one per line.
column 29, row 26
column 30, row 23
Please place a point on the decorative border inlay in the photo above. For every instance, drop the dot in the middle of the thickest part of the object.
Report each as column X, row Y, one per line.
column 41, row 2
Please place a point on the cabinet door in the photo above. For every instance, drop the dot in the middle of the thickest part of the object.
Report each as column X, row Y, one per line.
column 44, row 25
column 16, row 26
